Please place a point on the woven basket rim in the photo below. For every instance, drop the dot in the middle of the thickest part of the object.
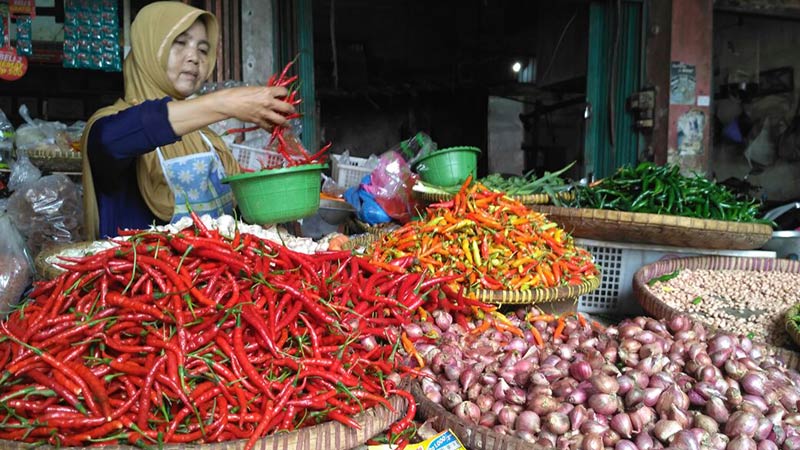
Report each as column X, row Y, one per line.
column 659, row 229
column 538, row 295
column 464, row 429
column 658, row 309
column 362, row 240
column 60, row 153
column 792, row 328
column 659, row 219
column 376, row 420
column 527, row 199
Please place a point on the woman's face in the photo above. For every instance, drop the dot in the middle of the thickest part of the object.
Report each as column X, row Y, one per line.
column 187, row 66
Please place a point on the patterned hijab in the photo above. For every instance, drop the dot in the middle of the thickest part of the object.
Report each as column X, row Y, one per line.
column 145, row 72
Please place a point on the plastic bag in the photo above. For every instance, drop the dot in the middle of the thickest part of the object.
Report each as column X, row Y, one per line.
column 391, row 185
column 40, row 134
column 48, row 212
column 16, row 266
column 416, row 147
column 6, row 139
column 331, row 187
column 23, row 172
column 367, row 208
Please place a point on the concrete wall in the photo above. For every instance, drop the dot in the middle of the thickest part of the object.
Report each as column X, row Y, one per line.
column 506, row 135
column 745, row 45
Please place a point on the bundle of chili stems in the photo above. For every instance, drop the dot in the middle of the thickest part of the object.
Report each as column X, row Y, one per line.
column 196, row 338
column 292, row 151
column 488, row 241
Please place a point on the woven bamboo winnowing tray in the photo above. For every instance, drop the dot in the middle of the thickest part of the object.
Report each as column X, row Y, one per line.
column 658, row 309
column 677, row 231
column 531, row 199
column 325, row 436
column 539, row 295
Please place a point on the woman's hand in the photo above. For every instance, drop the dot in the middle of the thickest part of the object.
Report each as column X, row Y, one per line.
column 263, row 106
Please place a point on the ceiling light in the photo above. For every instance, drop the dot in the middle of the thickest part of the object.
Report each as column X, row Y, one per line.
column 516, row 67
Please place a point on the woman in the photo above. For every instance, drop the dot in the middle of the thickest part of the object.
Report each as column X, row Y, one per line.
column 150, row 157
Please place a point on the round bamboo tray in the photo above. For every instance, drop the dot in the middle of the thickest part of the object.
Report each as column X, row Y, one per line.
column 792, row 327
column 658, row 309
column 538, row 295
column 531, row 199
column 360, row 241
column 622, row 226
column 325, row 436
column 55, row 159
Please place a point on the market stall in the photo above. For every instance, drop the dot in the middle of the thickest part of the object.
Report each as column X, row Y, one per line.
column 233, row 335
column 459, row 317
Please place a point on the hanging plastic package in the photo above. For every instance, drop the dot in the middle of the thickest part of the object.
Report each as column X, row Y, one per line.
column 24, row 36
column 16, row 266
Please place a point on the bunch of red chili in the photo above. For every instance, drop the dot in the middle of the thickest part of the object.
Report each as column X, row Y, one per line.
column 194, row 337
column 488, row 241
column 292, row 151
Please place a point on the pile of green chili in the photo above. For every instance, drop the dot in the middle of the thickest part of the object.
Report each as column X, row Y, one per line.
column 649, row 188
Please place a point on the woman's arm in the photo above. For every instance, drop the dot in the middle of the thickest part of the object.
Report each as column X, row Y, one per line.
column 132, row 132
column 259, row 105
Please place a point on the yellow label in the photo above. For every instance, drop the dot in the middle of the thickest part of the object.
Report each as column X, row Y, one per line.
column 446, row 440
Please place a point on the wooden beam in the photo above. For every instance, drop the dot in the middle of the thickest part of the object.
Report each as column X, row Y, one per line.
column 769, row 8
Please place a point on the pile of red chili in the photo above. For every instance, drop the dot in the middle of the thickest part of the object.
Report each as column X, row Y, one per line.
column 194, row 337
column 487, row 241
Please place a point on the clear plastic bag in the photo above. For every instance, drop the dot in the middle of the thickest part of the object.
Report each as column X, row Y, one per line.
column 23, row 172
column 416, row 147
column 6, row 138
column 47, row 212
column 16, row 265
column 391, row 184
column 40, row 134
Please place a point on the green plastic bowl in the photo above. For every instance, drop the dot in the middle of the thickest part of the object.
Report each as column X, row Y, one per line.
column 448, row 166
column 277, row 195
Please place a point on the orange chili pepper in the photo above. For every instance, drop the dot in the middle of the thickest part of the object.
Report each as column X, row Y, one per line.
column 581, row 319
column 409, row 347
column 481, row 328
column 559, row 328
column 545, row 317
column 537, row 337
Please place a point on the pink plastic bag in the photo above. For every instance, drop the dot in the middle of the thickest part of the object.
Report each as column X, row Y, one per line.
column 392, row 181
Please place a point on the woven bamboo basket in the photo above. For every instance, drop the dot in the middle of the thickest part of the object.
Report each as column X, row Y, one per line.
column 792, row 327
column 378, row 230
column 55, row 160
column 658, row 309
column 360, row 241
column 325, row 436
column 538, row 295
column 531, row 199
column 621, row 226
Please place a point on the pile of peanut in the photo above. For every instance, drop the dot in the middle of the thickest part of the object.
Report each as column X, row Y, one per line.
column 738, row 301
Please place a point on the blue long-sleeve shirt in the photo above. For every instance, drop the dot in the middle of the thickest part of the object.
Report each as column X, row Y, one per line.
column 113, row 145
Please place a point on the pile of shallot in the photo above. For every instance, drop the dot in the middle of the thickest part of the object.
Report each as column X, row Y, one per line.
column 642, row 384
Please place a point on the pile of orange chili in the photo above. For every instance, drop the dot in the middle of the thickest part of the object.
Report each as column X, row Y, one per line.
column 486, row 240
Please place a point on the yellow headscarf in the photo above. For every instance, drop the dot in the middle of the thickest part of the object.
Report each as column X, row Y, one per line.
column 145, row 73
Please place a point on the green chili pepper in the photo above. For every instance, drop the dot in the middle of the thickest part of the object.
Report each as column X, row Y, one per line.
column 663, row 278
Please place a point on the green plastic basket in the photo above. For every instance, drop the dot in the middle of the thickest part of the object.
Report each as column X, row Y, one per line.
column 277, row 195
column 448, row 166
